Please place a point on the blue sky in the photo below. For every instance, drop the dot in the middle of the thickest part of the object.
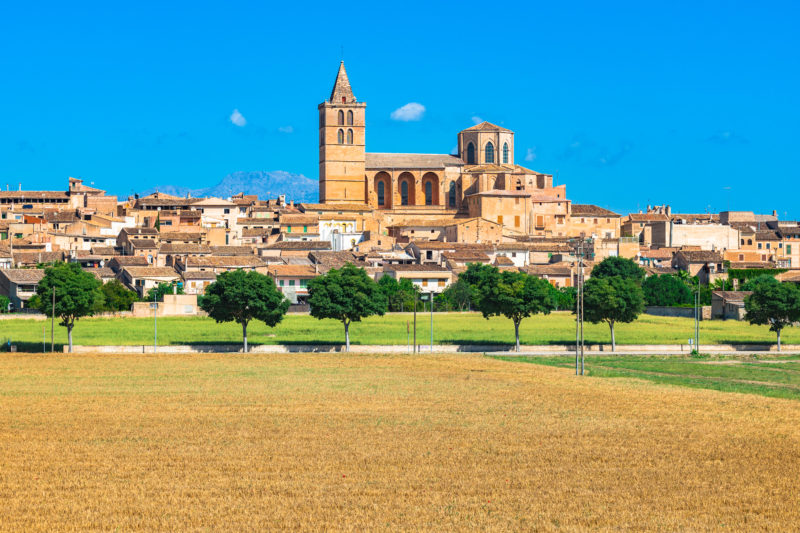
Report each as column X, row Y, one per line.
column 689, row 103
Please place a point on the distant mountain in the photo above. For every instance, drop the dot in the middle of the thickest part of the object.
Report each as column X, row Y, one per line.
column 265, row 184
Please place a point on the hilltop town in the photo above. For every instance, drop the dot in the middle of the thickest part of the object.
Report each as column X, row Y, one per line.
column 422, row 217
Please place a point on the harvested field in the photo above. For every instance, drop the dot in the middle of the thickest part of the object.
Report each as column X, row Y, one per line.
column 242, row 442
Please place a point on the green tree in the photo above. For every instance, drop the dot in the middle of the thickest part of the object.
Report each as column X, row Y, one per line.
column 618, row 266
column 667, row 290
column 161, row 289
column 407, row 293
column 239, row 296
column 117, row 297
column 565, row 298
column 348, row 295
column 77, row 294
column 514, row 295
column 774, row 304
column 612, row 300
column 476, row 276
column 458, row 295
column 4, row 303
column 391, row 291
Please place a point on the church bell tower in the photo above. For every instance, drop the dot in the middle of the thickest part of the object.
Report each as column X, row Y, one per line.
column 341, row 145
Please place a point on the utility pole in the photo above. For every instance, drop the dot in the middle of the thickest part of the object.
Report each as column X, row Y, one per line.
column 697, row 320
column 579, row 341
column 155, row 321
column 431, row 296
column 53, row 324
column 415, row 321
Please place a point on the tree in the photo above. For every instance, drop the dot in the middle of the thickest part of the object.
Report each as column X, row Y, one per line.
column 565, row 298
column 513, row 295
column 458, row 295
column 117, row 296
column 476, row 275
column 618, row 266
column 77, row 294
column 348, row 295
column 239, row 296
column 611, row 300
column 774, row 304
column 666, row 290
column 4, row 303
column 161, row 289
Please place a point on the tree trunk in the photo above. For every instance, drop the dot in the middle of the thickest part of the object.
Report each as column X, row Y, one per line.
column 516, row 332
column 69, row 336
column 779, row 340
column 346, row 335
column 244, row 335
column 613, row 339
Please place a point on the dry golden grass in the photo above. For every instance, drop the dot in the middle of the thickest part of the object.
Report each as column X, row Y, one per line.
column 245, row 442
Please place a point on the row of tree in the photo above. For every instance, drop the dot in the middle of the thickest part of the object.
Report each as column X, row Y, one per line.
column 615, row 293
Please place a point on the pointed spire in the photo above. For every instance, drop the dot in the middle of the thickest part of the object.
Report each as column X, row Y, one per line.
column 342, row 93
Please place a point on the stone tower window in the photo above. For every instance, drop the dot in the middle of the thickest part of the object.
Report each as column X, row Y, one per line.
column 489, row 153
column 505, row 152
column 381, row 194
column 340, row 136
column 428, row 193
column 451, row 196
column 344, row 99
column 349, row 136
column 349, row 118
column 471, row 154
column 341, row 118
column 404, row 193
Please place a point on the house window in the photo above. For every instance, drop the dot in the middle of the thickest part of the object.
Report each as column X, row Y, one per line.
column 741, row 257
column 489, row 153
column 767, row 246
column 505, row 152
column 226, row 211
column 291, row 283
column 516, row 221
column 305, row 229
column 288, row 229
column 788, row 249
column 470, row 154
column 500, row 219
column 381, row 193
column 749, row 241
column 441, row 282
column 280, row 283
column 425, row 282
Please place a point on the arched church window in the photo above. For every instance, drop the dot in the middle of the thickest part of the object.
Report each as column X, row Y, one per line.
column 428, row 193
column 340, row 136
column 349, row 136
column 489, row 153
column 341, row 117
column 349, row 118
column 505, row 152
column 404, row 193
column 381, row 193
column 451, row 195
column 470, row 154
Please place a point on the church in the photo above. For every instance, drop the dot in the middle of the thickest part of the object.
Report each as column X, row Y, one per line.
column 480, row 181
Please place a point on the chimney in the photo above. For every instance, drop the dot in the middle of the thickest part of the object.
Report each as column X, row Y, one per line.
column 775, row 213
column 668, row 210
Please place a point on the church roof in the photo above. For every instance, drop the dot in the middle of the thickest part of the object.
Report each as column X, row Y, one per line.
column 385, row 161
column 487, row 126
column 341, row 88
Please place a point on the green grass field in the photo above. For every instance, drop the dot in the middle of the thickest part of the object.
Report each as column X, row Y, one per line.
column 776, row 377
column 449, row 328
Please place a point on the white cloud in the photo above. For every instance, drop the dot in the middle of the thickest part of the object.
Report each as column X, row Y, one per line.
column 238, row 119
column 286, row 129
column 410, row 112
column 530, row 155
column 477, row 120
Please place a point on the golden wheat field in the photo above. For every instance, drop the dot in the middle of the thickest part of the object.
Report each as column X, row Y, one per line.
column 338, row 442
